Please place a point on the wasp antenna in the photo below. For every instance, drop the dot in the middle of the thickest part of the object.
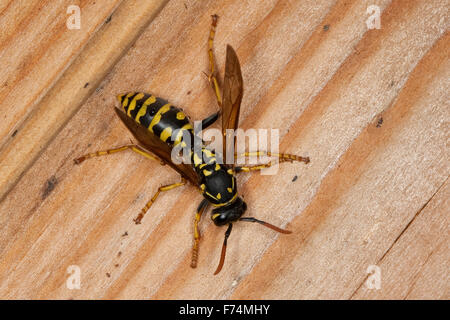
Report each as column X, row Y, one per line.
column 266, row 224
column 224, row 249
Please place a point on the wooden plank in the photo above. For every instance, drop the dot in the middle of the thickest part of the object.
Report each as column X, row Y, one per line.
column 36, row 47
column 352, row 221
column 310, row 68
column 355, row 97
column 416, row 266
column 77, row 83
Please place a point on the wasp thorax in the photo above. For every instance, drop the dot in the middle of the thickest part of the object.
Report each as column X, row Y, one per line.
column 229, row 213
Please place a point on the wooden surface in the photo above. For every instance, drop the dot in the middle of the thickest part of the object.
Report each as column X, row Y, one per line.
column 369, row 107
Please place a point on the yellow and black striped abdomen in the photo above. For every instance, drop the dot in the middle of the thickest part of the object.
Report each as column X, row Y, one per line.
column 167, row 122
column 170, row 124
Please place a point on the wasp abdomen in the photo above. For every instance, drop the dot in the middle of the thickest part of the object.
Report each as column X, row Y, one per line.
column 161, row 118
column 171, row 125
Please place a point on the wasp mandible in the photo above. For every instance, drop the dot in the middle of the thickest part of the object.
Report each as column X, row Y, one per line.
column 159, row 127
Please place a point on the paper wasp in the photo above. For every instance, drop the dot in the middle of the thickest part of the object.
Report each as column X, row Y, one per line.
column 159, row 127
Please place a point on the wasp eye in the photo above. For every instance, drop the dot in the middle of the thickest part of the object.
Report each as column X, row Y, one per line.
column 219, row 219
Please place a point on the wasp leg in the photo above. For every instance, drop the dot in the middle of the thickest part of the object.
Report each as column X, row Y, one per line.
column 201, row 208
column 252, row 168
column 132, row 147
column 212, row 78
column 210, row 120
column 282, row 157
column 160, row 189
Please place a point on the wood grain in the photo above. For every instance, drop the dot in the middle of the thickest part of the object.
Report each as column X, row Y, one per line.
column 36, row 48
column 369, row 107
column 76, row 84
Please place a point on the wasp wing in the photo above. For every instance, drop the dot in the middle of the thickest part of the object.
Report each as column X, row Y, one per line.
column 233, row 90
column 153, row 144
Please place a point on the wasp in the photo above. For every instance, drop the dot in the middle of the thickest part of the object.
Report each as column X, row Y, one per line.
column 159, row 127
